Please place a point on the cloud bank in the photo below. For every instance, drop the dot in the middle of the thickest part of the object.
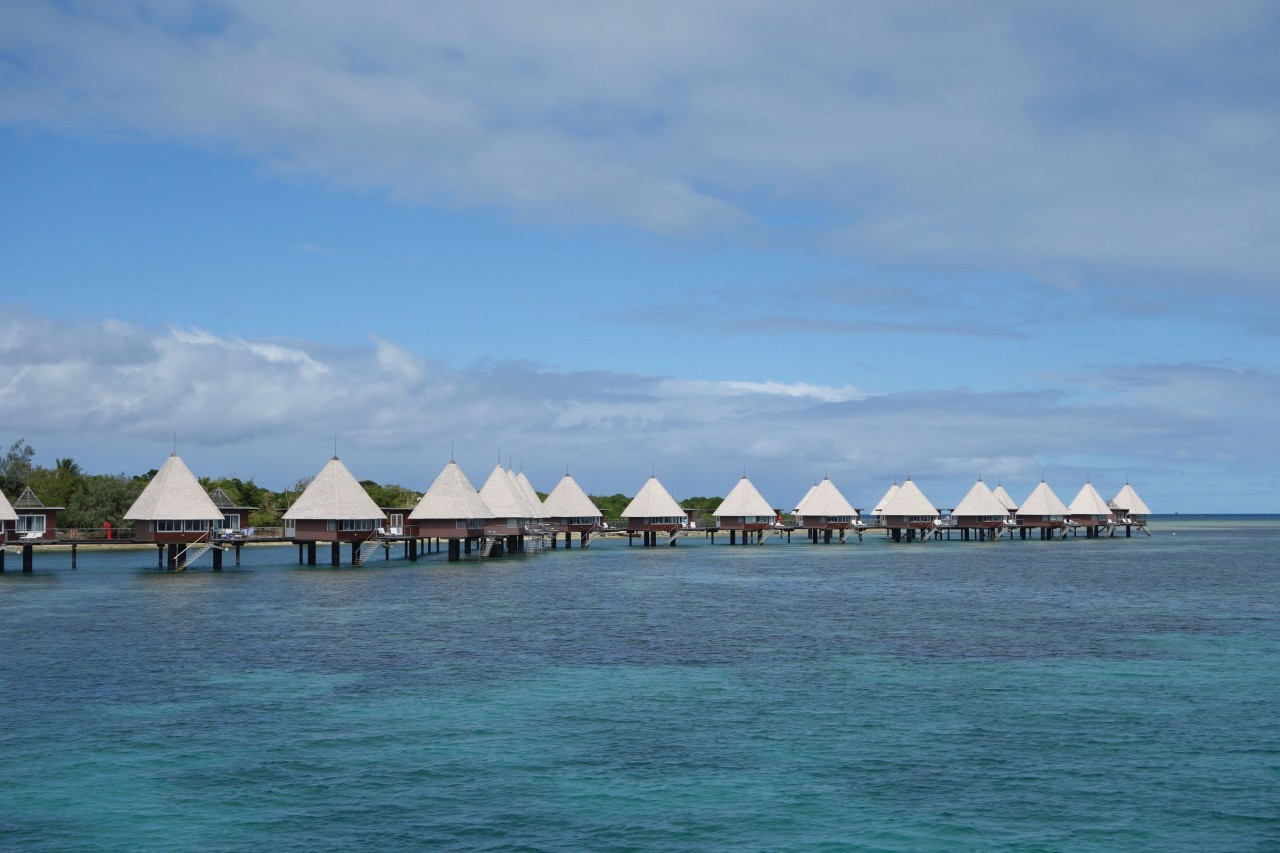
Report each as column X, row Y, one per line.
column 1192, row 437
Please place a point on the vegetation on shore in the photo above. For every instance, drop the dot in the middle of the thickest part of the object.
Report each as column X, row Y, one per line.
column 90, row 500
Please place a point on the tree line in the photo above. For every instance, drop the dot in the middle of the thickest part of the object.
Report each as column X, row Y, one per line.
column 89, row 500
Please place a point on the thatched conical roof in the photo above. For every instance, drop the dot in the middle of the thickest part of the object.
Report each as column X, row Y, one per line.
column 568, row 500
column 744, row 499
column 980, row 502
column 653, row 501
column 334, row 495
column 451, row 496
column 174, row 494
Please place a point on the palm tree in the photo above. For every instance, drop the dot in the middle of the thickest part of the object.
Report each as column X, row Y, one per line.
column 67, row 469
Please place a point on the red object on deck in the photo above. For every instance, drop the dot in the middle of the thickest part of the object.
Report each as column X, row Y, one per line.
column 107, row 526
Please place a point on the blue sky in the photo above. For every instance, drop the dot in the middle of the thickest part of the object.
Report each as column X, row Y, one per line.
column 874, row 240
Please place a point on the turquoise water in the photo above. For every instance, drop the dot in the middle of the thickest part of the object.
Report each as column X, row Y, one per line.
column 1079, row 695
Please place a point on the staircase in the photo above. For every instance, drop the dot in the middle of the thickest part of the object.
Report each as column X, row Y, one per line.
column 366, row 550
column 193, row 552
column 486, row 545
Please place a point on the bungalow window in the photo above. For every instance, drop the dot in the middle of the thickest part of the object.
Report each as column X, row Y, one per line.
column 28, row 523
column 349, row 524
column 460, row 524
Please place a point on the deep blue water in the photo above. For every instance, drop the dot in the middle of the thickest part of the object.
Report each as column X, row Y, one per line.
column 1119, row 694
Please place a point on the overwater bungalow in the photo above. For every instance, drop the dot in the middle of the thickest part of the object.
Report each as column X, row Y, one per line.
column 980, row 514
column 745, row 509
column 1130, row 510
column 334, row 508
column 1089, row 510
column 1004, row 498
column 653, row 511
column 1042, row 510
column 511, row 512
column 537, row 512
column 878, row 511
column 569, row 510
column 824, row 509
column 174, row 510
column 909, row 514
column 452, row 510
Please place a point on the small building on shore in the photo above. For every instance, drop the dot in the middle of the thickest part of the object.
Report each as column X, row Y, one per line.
column 909, row 514
column 980, row 514
column 569, row 510
column 333, row 508
column 174, row 507
column 1089, row 510
column 745, row 509
column 1043, row 510
column 235, row 519
column 653, row 511
column 452, row 510
column 824, row 509
column 36, row 522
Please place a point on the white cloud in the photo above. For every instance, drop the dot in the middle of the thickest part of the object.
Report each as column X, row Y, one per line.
column 1056, row 139
column 1191, row 436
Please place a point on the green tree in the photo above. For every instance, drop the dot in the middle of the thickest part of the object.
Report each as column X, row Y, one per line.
column 101, row 498
column 15, row 467
column 610, row 506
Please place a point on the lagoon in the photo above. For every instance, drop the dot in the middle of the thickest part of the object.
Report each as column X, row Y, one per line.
column 1017, row 695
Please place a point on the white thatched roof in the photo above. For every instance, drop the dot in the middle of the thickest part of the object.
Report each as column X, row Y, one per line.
column 174, row 494
column 451, row 496
column 6, row 510
column 1088, row 502
column 334, row 495
column 1042, row 501
column 653, row 501
column 1128, row 499
column 909, row 501
column 979, row 502
column 529, row 510
column 799, row 508
column 502, row 496
column 568, row 500
column 888, row 496
column 825, row 500
column 1004, row 498
column 530, row 495
column 743, row 499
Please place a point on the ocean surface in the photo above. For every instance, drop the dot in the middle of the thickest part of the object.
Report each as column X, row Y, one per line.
column 1090, row 695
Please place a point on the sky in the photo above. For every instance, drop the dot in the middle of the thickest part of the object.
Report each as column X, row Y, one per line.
column 870, row 241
